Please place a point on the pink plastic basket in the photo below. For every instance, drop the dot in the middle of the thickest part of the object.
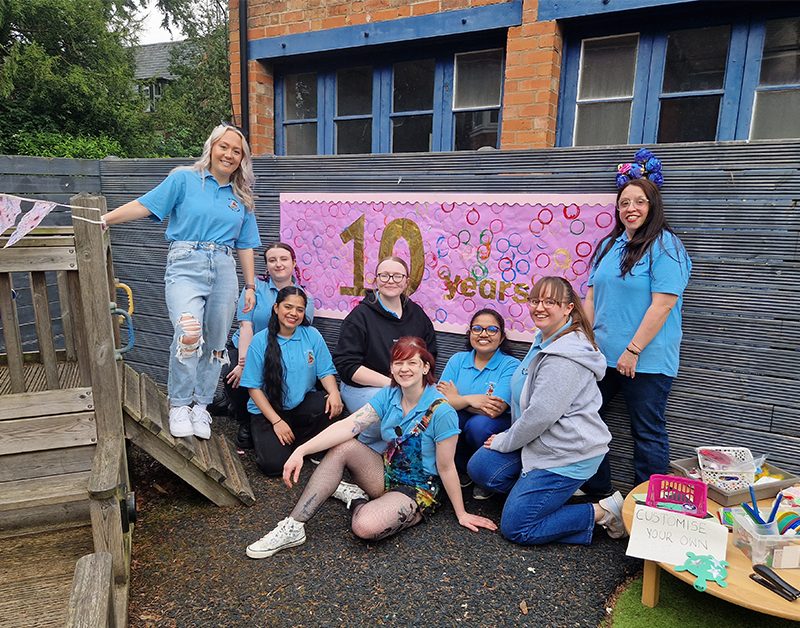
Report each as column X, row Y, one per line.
column 680, row 494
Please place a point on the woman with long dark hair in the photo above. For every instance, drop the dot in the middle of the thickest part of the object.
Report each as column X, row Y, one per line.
column 558, row 439
column 283, row 364
column 477, row 383
column 210, row 209
column 636, row 284
column 394, row 491
column 282, row 271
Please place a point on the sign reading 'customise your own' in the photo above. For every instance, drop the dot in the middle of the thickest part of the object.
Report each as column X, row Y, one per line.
column 465, row 252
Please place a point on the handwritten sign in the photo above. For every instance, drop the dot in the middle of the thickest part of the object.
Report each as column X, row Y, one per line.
column 665, row 536
column 465, row 252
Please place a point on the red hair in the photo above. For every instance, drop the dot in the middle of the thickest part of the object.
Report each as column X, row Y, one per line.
column 409, row 347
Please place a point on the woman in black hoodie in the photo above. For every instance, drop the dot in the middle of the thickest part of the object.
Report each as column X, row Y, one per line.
column 362, row 355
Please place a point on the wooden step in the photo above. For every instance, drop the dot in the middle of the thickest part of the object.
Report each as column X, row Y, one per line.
column 211, row 466
column 44, row 491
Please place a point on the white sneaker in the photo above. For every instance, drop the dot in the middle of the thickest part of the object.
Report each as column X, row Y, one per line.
column 288, row 533
column 201, row 423
column 347, row 492
column 180, row 421
column 612, row 520
column 481, row 493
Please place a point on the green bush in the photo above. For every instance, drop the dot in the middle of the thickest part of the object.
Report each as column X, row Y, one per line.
column 51, row 144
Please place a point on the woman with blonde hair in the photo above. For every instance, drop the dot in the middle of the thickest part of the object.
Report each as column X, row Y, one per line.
column 210, row 209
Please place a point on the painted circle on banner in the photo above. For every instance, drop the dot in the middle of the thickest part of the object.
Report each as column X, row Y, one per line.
column 441, row 315
column 484, row 272
column 604, row 220
column 330, row 231
column 448, row 207
column 486, row 237
column 287, row 234
column 524, row 266
column 523, row 250
column 483, row 252
column 328, row 291
column 443, row 272
column 577, row 227
column 317, row 241
column 453, row 242
column 506, row 278
column 431, row 261
column 561, row 258
column 571, row 212
column 473, row 216
column 330, row 247
column 579, row 267
column 377, row 206
column 502, row 245
column 464, row 234
column 554, row 228
column 307, row 258
column 569, row 274
column 342, row 305
column 583, row 249
column 441, row 252
column 542, row 260
column 298, row 242
column 335, row 211
column 468, row 305
column 306, row 274
column 514, row 239
column 496, row 226
column 387, row 219
column 536, row 226
column 545, row 216
column 505, row 261
column 308, row 213
column 301, row 224
column 377, row 235
column 516, row 310
column 335, row 261
column 421, row 209
column 496, row 208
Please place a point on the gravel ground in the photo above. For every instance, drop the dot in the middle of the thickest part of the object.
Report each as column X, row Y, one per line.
column 190, row 569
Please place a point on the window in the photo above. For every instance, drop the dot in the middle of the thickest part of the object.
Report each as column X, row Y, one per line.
column 437, row 102
column 681, row 83
column 152, row 93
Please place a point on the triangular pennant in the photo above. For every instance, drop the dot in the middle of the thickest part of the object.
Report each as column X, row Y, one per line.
column 30, row 221
column 9, row 210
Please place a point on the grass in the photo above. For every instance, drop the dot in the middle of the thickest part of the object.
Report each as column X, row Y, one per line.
column 680, row 606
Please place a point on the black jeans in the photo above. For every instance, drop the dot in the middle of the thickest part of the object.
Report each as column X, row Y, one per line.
column 237, row 397
column 306, row 420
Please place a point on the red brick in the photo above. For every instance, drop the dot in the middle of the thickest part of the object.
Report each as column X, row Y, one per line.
column 384, row 15
column 302, row 27
column 291, row 17
column 334, row 22
column 519, row 98
column 425, row 8
column 522, row 124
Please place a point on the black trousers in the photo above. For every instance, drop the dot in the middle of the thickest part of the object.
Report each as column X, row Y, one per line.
column 306, row 420
column 237, row 397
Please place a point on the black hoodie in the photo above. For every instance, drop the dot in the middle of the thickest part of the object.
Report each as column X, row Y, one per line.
column 369, row 331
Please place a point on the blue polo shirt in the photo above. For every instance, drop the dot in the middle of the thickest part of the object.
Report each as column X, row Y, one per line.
column 200, row 210
column 620, row 303
column 492, row 379
column 306, row 358
column 521, row 373
column 443, row 423
column 266, row 295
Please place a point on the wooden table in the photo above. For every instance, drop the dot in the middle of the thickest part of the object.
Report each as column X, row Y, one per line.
column 741, row 589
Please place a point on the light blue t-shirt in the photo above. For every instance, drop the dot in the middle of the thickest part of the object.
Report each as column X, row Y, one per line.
column 200, row 210
column 443, row 423
column 383, row 305
column 266, row 295
column 306, row 358
column 620, row 303
column 492, row 379
column 521, row 373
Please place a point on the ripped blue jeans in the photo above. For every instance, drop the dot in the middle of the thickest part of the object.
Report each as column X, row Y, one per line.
column 201, row 293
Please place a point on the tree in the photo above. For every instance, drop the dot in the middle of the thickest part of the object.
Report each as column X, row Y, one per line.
column 65, row 70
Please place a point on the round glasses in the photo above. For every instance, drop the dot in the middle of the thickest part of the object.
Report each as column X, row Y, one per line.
column 548, row 303
column 491, row 330
column 639, row 202
column 394, row 277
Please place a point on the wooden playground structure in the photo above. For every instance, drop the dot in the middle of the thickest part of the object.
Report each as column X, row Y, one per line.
column 67, row 405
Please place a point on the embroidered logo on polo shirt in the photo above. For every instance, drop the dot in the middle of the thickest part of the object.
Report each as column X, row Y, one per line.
column 310, row 357
column 490, row 388
column 234, row 205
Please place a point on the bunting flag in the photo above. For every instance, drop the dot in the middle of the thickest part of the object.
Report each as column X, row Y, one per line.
column 9, row 210
column 30, row 221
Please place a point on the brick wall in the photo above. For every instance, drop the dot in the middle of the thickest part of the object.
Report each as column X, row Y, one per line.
column 533, row 61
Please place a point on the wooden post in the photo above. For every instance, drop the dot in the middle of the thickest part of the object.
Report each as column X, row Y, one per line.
column 91, row 603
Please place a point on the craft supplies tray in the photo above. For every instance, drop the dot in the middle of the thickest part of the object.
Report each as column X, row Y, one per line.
column 684, row 467
column 763, row 547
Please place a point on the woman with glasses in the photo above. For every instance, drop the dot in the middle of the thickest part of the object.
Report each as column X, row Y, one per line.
column 636, row 284
column 477, row 383
column 362, row 354
column 210, row 209
column 557, row 438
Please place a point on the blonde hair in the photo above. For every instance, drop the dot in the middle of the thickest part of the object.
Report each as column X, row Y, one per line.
column 243, row 178
column 561, row 290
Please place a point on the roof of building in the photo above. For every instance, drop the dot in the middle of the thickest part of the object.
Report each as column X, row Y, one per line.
column 152, row 60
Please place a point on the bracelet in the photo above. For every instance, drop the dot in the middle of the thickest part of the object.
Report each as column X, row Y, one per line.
column 276, row 422
column 249, row 286
column 103, row 223
column 636, row 353
column 635, row 346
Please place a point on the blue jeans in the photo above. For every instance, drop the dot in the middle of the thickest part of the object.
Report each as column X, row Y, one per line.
column 475, row 429
column 646, row 398
column 356, row 398
column 535, row 512
column 201, row 293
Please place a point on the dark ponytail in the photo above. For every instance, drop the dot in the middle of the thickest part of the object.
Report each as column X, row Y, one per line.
column 274, row 373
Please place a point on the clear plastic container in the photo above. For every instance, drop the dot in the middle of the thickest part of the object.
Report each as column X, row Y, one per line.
column 763, row 545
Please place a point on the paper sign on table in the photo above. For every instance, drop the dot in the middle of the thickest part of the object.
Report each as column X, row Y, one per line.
column 665, row 536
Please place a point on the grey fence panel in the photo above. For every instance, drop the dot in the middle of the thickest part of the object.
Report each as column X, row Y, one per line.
column 734, row 205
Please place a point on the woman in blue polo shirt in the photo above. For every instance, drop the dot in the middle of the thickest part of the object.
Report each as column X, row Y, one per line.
column 282, row 271
column 283, row 364
column 210, row 209
column 477, row 383
column 393, row 491
column 636, row 284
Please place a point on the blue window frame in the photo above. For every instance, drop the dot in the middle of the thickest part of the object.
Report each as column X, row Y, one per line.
column 439, row 99
column 678, row 78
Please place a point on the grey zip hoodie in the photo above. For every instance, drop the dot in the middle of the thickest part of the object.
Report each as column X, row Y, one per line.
column 559, row 422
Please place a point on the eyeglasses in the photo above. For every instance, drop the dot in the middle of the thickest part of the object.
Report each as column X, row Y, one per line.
column 394, row 277
column 639, row 202
column 548, row 303
column 491, row 330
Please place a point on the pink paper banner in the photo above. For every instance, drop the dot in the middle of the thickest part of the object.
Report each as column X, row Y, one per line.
column 465, row 252
column 9, row 210
column 30, row 221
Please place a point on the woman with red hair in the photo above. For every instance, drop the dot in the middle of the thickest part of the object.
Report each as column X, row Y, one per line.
column 393, row 491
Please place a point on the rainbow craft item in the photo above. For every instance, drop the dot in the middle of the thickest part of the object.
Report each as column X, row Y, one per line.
column 645, row 165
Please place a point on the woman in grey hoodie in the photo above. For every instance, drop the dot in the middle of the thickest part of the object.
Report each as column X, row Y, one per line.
column 557, row 439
